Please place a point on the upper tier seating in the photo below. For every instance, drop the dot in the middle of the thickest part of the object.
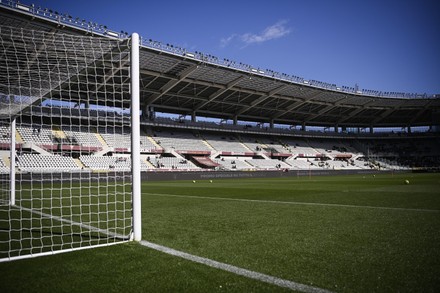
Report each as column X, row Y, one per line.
column 45, row 163
column 106, row 163
column 303, row 164
column 268, row 164
column 5, row 134
column 225, row 143
column 109, row 163
column 263, row 144
column 254, row 145
column 233, row 151
column 3, row 168
column 330, row 147
column 36, row 135
column 82, row 136
column 118, row 139
column 300, row 147
column 234, row 164
column 180, row 141
column 172, row 163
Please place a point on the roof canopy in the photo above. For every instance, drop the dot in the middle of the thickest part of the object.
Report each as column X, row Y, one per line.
column 183, row 83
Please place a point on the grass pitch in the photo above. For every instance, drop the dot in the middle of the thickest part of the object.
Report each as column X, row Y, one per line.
column 341, row 233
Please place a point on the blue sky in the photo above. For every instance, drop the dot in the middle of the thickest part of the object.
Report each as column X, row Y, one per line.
column 380, row 45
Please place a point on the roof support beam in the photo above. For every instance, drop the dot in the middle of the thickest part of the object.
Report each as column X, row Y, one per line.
column 293, row 102
column 212, row 84
column 261, row 99
column 219, row 92
column 384, row 114
column 327, row 109
column 188, row 97
column 355, row 112
column 295, row 105
column 171, row 83
column 75, row 77
column 110, row 74
column 420, row 112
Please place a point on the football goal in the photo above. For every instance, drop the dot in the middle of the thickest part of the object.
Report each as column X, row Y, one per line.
column 69, row 142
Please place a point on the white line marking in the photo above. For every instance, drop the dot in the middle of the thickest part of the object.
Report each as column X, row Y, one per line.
column 91, row 228
column 236, row 270
column 64, row 250
column 294, row 202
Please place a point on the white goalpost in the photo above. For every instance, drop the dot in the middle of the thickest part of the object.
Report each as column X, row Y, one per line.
column 135, row 138
column 69, row 142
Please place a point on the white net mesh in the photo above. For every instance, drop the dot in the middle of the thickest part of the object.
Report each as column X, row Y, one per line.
column 68, row 95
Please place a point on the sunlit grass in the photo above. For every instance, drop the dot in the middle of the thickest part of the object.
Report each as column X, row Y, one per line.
column 344, row 233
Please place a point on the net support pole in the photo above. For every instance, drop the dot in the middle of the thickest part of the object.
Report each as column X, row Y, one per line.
column 135, row 138
column 12, row 165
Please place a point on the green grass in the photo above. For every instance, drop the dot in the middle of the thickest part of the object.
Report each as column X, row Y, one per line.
column 373, row 234
column 107, row 207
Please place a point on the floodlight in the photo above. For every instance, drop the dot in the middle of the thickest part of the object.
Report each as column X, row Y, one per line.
column 112, row 34
column 22, row 7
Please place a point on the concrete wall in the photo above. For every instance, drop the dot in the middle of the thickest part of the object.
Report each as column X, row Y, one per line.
column 185, row 175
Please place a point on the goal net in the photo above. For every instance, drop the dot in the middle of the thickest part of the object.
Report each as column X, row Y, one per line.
column 66, row 169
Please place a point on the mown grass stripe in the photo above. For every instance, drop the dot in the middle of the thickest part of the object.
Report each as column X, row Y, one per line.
column 236, row 270
column 295, row 202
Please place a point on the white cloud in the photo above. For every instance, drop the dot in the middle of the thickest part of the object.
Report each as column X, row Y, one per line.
column 225, row 41
column 272, row 32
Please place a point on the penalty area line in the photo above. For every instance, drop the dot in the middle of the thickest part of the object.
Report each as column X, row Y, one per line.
column 295, row 203
column 235, row 270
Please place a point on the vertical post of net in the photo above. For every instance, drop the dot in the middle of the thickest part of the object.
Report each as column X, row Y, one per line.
column 135, row 138
column 12, row 165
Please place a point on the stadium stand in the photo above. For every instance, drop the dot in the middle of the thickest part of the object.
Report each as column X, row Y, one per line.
column 36, row 135
column 229, row 151
column 300, row 147
column 43, row 163
column 251, row 134
column 105, row 163
column 179, row 141
column 82, row 137
column 116, row 139
column 226, row 143
column 5, row 135
column 268, row 164
column 4, row 168
column 234, row 163
column 173, row 163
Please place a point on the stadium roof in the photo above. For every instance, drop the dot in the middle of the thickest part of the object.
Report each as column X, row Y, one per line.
column 192, row 83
